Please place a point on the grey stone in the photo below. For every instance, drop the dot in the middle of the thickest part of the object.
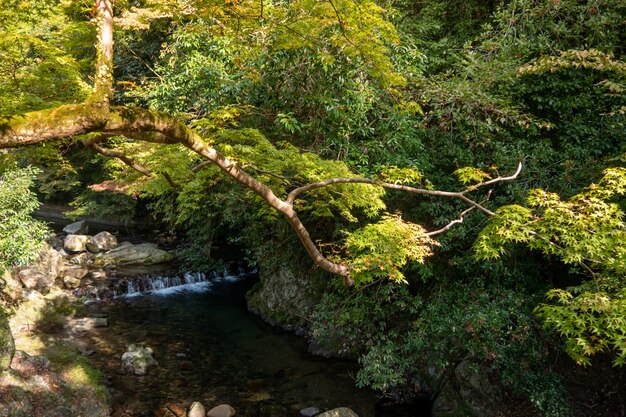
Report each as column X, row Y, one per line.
column 76, row 228
column 309, row 411
column 83, row 258
column 339, row 412
column 470, row 392
column 33, row 279
column 142, row 254
column 55, row 241
column 75, row 243
column 102, row 242
column 137, row 359
column 196, row 410
column 222, row 410
column 98, row 275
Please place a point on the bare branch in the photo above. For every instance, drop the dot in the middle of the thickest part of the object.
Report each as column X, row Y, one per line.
column 261, row 171
column 452, row 223
column 449, row 194
column 495, row 180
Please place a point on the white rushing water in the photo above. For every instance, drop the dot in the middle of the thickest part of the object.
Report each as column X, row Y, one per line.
column 164, row 285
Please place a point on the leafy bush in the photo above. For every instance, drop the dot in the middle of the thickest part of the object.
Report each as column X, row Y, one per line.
column 21, row 236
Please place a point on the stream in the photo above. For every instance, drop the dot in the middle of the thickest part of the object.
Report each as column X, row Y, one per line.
column 211, row 349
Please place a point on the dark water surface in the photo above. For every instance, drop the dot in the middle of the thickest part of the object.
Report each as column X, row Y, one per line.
column 211, row 349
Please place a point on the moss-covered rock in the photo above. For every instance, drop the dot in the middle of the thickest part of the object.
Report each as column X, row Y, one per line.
column 287, row 293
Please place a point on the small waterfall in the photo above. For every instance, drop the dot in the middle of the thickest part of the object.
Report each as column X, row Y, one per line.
column 176, row 282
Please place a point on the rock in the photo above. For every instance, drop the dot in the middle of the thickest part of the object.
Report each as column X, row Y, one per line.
column 55, row 241
column 176, row 409
column 339, row 412
column 75, row 271
column 258, row 396
column 83, row 258
column 142, row 254
column 33, row 279
column 7, row 344
column 87, row 323
column 42, row 273
column 72, row 276
column 76, row 228
column 222, row 410
column 75, row 243
column 196, row 410
column 71, row 283
column 470, row 390
column 25, row 363
column 98, row 275
column 11, row 286
column 287, row 293
column 137, row 359
column 309, row 411
column 102, row 242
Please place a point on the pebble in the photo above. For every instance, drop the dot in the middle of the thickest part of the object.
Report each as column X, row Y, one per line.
column 309, row 411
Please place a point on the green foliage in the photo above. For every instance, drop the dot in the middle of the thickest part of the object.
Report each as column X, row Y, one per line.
column 103, row 205
column 587, row 231
column 382, row 249
column 32, row 72
column 470, row 174
column 587, row 228
column 397, row 333
column 591, row 322
column 21, row 237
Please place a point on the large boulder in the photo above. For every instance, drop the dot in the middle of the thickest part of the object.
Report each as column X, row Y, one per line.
column 34, row 279
column 76, row 228
column 142, row 254
column 75, row 243
column 339, row 412
column 102, row 242
column 470, row 391
column 137, row 359
column 7, row 344
column 290, row 288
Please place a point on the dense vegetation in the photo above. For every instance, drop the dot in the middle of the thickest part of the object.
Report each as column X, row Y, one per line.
column 422, row 94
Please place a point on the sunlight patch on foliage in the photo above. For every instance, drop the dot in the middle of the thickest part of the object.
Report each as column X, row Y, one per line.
column 382, row 249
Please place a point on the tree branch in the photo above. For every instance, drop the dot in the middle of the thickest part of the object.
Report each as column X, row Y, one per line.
column 495, row 180
column 122, row 157
column 452, row 223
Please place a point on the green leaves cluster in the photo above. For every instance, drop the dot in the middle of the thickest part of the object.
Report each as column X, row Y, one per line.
column 382, row 249
column 35, row 74
column 591, row 322
column 21, row 236
column 586, row 231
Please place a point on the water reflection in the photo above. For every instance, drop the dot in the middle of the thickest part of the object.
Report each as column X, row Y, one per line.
column 210, row 349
